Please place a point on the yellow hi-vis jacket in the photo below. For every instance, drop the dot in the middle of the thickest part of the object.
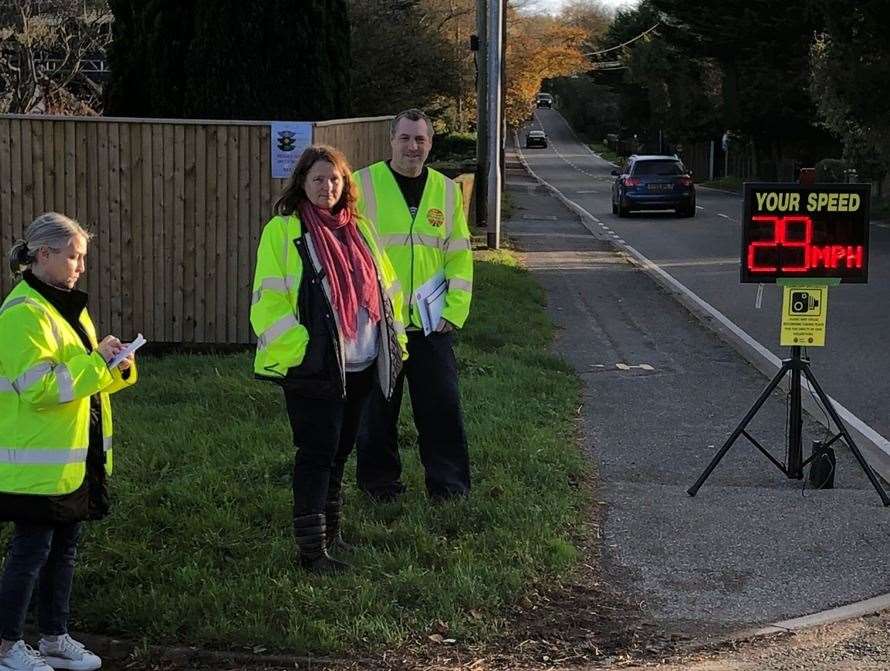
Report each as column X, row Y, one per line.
column 282, row 333
column 46, row 380
column 437, row 240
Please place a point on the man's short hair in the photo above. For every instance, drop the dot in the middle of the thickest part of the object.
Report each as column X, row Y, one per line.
column 412, row 114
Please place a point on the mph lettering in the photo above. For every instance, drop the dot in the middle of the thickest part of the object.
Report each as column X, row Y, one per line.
column 772, row 201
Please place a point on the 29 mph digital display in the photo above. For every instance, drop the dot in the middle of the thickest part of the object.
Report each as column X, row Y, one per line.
column 795, row 231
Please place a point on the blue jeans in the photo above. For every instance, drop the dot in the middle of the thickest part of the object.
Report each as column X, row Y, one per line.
column 47, row 553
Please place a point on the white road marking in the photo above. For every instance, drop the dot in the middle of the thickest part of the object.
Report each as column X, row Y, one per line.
column 625, row 366
column 725, row 216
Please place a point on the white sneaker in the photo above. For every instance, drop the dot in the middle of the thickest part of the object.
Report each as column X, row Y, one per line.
column 22, row 657
column 66, row 653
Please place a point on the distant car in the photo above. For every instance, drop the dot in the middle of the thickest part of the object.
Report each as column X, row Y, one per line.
column 653, row 183
column 544, row 100
column 535, row 138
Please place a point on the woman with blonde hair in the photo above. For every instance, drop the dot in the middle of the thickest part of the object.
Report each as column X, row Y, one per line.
column 55, row 423
column 327, row 311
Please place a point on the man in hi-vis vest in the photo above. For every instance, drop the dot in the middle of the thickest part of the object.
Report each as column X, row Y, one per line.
column 421, row 224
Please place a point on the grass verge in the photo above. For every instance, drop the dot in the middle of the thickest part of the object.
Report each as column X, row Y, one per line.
column 198, row 547
column 605, row 152
column 729, row 183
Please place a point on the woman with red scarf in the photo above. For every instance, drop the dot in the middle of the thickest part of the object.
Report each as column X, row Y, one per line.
column 327, row 311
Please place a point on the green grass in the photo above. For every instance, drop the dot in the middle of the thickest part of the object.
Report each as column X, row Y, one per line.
column 605, row 152
column 198, row 547
column 729, row 183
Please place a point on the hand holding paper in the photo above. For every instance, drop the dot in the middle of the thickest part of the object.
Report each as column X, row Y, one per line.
column 127, row 351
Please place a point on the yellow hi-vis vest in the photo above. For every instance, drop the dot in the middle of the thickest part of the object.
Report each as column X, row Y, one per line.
column 274, row 310
column 435, row 240
column 46, row 380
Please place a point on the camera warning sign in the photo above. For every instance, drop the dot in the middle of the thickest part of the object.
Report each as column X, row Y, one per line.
column 804, row 309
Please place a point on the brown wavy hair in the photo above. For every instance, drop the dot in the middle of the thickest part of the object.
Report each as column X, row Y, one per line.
column 294, row 193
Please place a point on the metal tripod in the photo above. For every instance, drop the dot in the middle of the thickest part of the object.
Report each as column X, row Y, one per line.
column 797, row 366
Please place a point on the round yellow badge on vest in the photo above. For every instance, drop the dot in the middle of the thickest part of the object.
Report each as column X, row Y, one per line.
column 436, row 217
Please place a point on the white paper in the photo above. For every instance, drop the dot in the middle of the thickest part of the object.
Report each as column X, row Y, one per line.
column 430, row 299
column 127, row 351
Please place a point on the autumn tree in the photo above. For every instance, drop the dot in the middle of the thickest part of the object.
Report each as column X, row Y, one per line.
column 539, row 47
column 590, row 16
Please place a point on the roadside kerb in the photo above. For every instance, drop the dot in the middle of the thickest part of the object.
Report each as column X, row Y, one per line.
column 874, row 447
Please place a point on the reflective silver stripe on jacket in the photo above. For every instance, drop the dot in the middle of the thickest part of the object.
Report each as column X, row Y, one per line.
column 457, row 245
column 25, row 299
column 31, row 376
column 369, row 198
column 394, row 239
column 106, row 443
column 457, row 283
column 272, row 284
column 6, row 384
column 16, row 301
column 29, row 455
column 278, row 328
column 65, row 382
column 449, row 207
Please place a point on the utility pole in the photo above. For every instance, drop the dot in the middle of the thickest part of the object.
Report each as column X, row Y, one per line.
column 481, row 183
column 495, row 120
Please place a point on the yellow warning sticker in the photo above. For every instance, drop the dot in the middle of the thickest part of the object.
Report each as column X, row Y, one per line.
column 804, row 312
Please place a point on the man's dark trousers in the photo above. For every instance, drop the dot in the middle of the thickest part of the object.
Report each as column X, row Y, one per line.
column 431, row 370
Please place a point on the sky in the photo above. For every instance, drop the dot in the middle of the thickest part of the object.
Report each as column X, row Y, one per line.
column 554, row 5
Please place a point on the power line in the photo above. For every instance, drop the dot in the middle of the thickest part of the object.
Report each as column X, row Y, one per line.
column 624, row 44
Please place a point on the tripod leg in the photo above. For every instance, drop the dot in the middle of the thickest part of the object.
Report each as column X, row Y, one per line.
column 795, row 428
column 847, row 437
column 692, row 491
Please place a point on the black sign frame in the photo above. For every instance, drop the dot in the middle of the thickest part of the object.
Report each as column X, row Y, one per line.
column 827, row 229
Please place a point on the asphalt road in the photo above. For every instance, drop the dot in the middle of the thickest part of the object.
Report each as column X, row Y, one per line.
column 703, row 254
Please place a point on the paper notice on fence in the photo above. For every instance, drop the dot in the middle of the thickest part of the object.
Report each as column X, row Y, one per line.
column 288, row 140
column 430, row 301
column 127, row 351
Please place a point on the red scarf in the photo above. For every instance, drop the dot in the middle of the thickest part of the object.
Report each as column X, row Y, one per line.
column 347, row 263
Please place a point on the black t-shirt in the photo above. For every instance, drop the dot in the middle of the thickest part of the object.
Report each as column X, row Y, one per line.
column 411, row 188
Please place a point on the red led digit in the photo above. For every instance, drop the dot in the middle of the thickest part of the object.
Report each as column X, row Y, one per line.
column 796, row 222
column 753, row 266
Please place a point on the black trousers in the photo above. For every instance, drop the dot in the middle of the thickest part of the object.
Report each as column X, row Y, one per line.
column 324, row 435
column 431, row 371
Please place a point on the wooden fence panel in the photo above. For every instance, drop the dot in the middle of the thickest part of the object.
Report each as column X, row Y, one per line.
column 176, row 208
